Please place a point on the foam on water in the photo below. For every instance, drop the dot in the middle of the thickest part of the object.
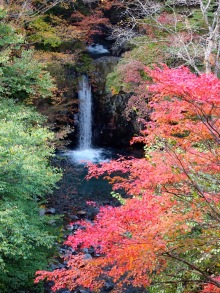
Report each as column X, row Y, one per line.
column 88, row 156
column 85, row 152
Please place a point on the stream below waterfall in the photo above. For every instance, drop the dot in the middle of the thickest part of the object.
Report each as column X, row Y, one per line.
column 74, row 190
column 74, row 187
column 74, row 193
column 70, row 200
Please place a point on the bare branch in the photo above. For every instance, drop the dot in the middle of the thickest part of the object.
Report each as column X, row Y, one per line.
column 201, row 46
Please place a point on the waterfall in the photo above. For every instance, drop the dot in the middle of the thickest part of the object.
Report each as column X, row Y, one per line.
column 85, row 153
column 97, row 49
column 85, row 114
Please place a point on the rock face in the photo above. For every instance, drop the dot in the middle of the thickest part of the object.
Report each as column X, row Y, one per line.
column 102, row 67
column 110, row 127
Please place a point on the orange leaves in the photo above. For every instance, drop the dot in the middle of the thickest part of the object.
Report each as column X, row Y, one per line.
column 91, row 23
column 211, row 288
column 173, row 203
column 130, row 240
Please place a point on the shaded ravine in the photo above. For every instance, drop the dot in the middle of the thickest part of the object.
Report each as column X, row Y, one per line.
column 74, row 191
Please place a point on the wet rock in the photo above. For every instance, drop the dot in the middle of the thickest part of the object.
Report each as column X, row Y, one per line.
column 73, row 217
column 109, row 285
column 61, row 266
column 63, row 291
column 42, row 212
column 54, row 266
column 66, row 251
column 69, row 227
column 110, row 124
column 57, row 265
column 85, row 250
column 87, row 256
column 76, row 226
column 81, row 213
column 50, row 211
column 103, row 66
column 82, row 290
column 131, row 289
column 91, row 251
column 92, row 212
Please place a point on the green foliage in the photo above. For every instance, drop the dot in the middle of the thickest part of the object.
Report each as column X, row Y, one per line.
column 114, row 81
column 197, row 22
column 23, row 77
column 9, row 35
column 148, row 51
column 144, row 50
column 118, row 197
column 3, row 14
column 26, row 242
column 26, row 238
column 24, row 152
column 43, row 32
column 85, row 64
column 9, row 39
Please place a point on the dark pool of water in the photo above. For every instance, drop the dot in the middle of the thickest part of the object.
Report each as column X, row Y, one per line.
column 74, row 190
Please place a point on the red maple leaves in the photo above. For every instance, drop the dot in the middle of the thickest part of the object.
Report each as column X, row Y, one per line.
column 172, row 193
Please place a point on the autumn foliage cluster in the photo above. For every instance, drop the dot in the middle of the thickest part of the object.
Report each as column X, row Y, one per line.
column 166, row 232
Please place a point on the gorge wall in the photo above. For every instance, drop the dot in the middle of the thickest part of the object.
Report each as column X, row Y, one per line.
column 110, row 127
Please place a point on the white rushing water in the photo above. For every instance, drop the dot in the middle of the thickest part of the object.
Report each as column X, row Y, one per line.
column 85, row 114
column 85, row 153
column 97, row 49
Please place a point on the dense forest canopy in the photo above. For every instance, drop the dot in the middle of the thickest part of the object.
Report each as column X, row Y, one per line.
column 26, row 147
column 165, row 234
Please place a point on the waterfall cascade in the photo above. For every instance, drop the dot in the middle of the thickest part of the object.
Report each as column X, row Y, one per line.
column 97, row 49
column 85, row 114
column 85, row 152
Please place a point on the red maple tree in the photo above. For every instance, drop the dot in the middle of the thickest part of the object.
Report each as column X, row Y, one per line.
column 166, row 231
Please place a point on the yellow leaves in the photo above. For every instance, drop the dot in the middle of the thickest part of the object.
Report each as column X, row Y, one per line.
column 114, row 90
column 48, row 57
